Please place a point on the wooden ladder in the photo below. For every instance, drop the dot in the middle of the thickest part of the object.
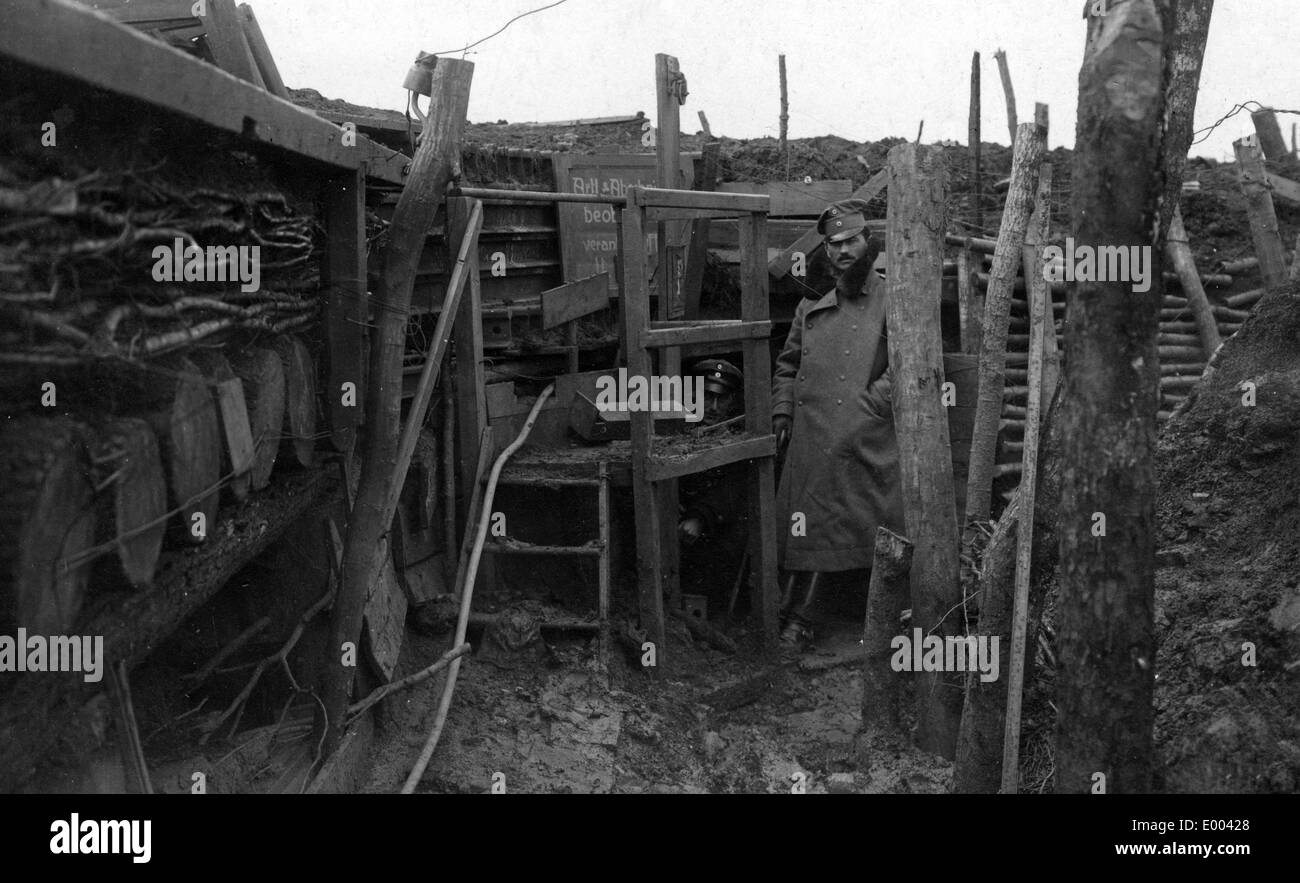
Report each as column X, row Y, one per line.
column 598, row 548
column 654, row 471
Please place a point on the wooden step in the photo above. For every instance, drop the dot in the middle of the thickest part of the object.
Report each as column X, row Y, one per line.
column 661, row 467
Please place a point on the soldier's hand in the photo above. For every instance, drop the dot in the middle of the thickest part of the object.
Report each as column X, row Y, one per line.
column 781, row 429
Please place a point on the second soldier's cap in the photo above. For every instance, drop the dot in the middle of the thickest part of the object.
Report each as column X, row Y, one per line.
column 720, row 376
column 843, row 220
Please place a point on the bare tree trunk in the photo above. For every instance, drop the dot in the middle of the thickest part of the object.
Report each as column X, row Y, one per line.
column 1187, row 50
column 976, row 173
column 916, row 223
column 1012, row 121
column 431, row 171
column 1107, row 644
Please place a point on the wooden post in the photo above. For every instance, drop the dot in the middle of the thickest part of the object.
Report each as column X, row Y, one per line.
column 431, row 171
column 670, row 92
column 1106, row 640
column 261, row 52
column 976, row 173
column 1270, row 135
column 1039, row 317
column 704, row 125
column 887, row 597
column 1191, row 29
column 756, row 307
column 1180, row 255
column 1035, row 238
column 785, row 118
column 1012, row 122
column 344, row 198
column 970, row 303
column 997, row 314
column 916, row 224
column 471, row 399
column 1259, row 207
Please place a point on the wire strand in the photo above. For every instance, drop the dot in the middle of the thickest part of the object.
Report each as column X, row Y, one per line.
column 503, row 27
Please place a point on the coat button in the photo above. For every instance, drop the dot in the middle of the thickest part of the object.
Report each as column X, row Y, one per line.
column 846, row 352
column 805, row 352
column 841, row 377
column 800, row 404
column 839, row 401
column 855, row 327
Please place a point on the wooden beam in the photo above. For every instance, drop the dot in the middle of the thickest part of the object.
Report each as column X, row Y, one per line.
column 226, row 42
column 1259, row 208
column 87, row 46
column 663, row 468
column 918, row 184
column 810, row 241
column 721, row 332
column 262, row 53
column 694, row 200
column 701, row 229
column 1283, row 187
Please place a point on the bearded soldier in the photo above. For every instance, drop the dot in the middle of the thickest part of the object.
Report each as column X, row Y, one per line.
column 832, row 415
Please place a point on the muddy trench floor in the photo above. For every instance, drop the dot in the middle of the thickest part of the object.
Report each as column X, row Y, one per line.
column 546, row 719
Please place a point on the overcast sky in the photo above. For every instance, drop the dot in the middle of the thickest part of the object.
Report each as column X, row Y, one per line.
column 862, row 69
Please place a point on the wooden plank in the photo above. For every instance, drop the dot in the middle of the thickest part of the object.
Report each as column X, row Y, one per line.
column 261, row 52
column 662, row 468
column 721, row 332
column 575, row 300
column 234, row 421
column 794, row 198
column 225, row 38
column 344, row 269
column 706, row 174
column 1283, row 187
column 90, row 47
column 471, row 405
column 810, row 241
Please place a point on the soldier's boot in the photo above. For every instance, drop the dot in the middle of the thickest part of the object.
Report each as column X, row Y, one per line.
column 798, row 632
column 787, row 594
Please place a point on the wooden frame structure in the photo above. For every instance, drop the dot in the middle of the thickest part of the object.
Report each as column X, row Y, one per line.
column 652, row 469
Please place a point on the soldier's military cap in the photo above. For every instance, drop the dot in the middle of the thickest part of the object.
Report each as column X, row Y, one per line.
column 843, row 220
column 719, row 375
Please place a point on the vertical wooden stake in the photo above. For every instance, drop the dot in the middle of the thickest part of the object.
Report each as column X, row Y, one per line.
column 915, row 231
column 785, row 118
column 1012, row 123
column 1039, row 315
column 997, row 315
column 1259, row 207
column 886, row 599
column 976, row 173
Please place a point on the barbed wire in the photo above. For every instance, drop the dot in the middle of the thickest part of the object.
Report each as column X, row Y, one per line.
column 1236, row 109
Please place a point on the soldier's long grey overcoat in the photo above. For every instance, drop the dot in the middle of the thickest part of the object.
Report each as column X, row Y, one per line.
column 841, row 468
